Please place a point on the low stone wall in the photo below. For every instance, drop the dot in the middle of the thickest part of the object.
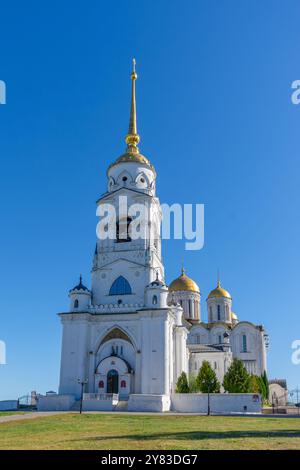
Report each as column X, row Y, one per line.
column 100, row 404
column 8, row 405
column 55, row 402
column 219, row 403
column 139, row 402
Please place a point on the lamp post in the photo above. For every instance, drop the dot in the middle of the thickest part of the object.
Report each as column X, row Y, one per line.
column 82, row 383
column 208, row 400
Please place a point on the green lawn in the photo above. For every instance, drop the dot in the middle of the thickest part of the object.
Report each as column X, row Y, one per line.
column 117, row 431
column 8, row 413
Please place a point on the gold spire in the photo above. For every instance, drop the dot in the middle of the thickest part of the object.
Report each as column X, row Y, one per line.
column 182, row 268
column 132, row 138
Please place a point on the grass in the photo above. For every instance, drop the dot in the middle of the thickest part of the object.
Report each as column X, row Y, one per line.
column 8, row 413
column 117, row 431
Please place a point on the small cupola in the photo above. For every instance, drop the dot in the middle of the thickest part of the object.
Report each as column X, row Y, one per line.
column 219, row 303
column 80, row 297
column 156, row 294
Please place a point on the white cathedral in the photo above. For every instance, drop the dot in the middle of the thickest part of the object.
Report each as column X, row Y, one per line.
column 133, row 335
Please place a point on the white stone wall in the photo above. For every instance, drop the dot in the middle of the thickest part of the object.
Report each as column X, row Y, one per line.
column 219, row 403
column 8, row 405
column 55, row 402
column 148, row 402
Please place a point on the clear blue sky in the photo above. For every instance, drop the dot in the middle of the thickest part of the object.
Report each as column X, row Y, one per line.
column 215, row 118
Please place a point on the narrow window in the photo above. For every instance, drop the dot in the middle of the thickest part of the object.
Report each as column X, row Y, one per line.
column 219, row 313
column 210, row 314
column 244, row 343
column 154, row 300
column 76, row 303
column 220, row 339
column 123, row 383
column 123, row 230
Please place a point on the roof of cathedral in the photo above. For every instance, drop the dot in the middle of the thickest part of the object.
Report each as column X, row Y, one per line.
column 184, row 283
column 80, row 286
column 132, row 139
column 219, row 292
column 202, row 348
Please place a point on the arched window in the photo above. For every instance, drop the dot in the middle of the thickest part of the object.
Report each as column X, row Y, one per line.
column 210, row 314
column 123, row 230
column 123, row 383
column 76, row 303
column 220, row 339
column 120, row 287
column 101, row 384
column 154, row 300
column 219, row 313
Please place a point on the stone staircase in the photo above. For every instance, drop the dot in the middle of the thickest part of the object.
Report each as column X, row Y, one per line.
column 122, row 405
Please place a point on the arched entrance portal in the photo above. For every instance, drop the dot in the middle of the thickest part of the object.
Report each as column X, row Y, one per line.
column 112, row 381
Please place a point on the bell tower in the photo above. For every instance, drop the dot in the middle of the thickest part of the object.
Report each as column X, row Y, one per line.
column 127, row 262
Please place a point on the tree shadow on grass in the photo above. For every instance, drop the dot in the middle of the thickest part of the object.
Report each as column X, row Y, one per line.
column 196, row 435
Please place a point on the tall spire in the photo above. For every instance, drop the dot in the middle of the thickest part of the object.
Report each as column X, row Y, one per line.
column 182, row 268
column 132, row 138
column 219, row 281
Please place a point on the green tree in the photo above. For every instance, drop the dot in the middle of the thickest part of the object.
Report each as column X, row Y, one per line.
column 193, row 386
column 255, row 384
column 182, row 385
column 266, row 383
column 207, row 380
column 262, row 388
column 237, row 379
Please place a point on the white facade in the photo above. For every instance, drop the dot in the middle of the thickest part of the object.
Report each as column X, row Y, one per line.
column 130, row 335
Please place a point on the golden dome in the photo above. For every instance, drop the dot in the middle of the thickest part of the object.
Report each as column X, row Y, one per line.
column 233, row 316
column 219, row 292
column 184, row 283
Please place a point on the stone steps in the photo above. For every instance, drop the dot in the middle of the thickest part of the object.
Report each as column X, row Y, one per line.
column 122, row 405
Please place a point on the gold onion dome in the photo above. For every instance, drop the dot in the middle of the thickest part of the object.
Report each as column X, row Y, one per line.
column 184, row 283
column 132, row 139
column 219, row 292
